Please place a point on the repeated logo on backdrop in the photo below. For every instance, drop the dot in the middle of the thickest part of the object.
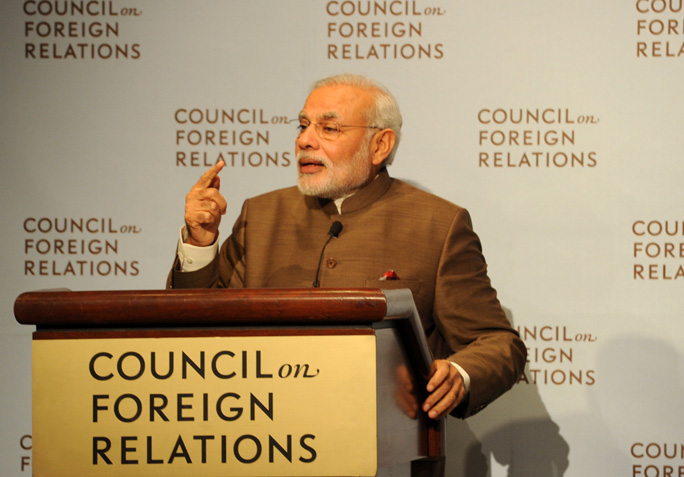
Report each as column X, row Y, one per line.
column 534, row 138
column 78, row 247
column 658, row 250
column 395, row 30
column 657, row 459
column 78, row 30
column 554, row 356
column 241, row 137
column 660, row 28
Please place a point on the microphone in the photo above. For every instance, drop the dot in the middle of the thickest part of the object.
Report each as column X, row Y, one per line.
column 334, row 232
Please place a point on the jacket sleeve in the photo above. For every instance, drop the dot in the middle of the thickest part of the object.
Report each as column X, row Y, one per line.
column 472, row 321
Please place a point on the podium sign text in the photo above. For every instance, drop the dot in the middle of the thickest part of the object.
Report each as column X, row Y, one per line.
column 212, row 406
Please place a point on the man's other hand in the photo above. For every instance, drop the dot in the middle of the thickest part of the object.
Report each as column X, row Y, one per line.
column 445, row 388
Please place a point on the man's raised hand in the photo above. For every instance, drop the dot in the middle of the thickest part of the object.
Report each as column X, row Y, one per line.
column 204, row 206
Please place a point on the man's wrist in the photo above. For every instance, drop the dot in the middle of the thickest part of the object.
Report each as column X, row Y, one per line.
column 194, row 257
column 464, row 375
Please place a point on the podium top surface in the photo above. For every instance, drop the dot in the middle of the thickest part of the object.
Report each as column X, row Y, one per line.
column 200, row 307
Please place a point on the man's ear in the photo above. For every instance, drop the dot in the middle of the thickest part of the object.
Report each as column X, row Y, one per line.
column 381, row 146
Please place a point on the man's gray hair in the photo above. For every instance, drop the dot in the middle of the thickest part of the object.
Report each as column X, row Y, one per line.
column 384, row 113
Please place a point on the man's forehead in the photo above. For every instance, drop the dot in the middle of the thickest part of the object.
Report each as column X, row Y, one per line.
column 335, row 102
column 320, row 117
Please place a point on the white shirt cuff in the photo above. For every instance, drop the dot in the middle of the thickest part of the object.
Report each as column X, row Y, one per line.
column 192, row 257
column 464, row 375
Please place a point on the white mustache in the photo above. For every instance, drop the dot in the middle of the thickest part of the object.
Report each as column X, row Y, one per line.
column 311, row 156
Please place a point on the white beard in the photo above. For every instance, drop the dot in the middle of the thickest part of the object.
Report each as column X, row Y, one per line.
column 336, row 181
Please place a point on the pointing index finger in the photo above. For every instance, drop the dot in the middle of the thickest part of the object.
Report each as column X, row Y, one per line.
column 209, row 178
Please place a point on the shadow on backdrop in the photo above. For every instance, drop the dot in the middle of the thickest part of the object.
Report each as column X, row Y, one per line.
column 516, row 431
column 637, row 401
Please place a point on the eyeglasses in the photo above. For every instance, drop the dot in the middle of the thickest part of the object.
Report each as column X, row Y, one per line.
column 329, row 129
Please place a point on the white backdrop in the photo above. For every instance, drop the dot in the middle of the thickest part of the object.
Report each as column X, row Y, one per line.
column 557, row 124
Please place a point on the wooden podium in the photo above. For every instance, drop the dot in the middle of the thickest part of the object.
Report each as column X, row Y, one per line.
column 251, row 382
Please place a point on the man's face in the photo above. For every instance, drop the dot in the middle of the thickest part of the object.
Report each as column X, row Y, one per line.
column 334, row 168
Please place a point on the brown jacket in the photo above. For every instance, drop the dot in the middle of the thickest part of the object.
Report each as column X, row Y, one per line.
column 389, row 225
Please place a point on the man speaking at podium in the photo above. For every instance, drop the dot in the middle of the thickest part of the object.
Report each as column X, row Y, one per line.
column 388, row 235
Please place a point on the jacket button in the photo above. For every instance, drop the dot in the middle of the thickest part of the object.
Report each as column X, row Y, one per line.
column 331, row 263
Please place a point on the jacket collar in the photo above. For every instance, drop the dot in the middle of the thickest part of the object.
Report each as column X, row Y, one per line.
column 361, row 199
